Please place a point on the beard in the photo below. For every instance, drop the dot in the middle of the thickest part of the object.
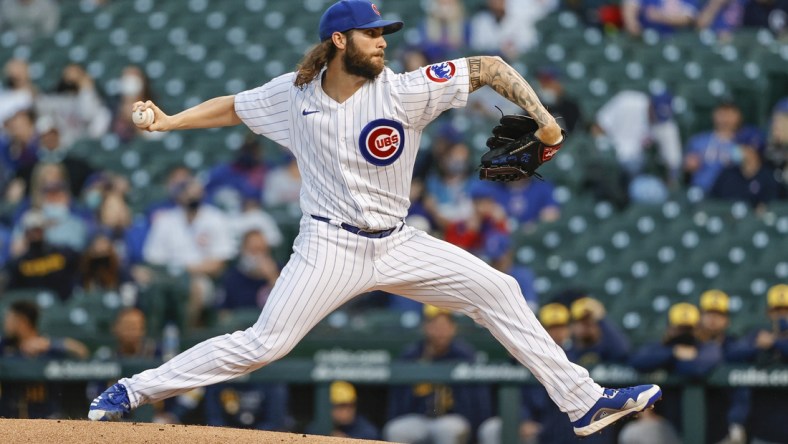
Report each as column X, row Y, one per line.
column 359, row 64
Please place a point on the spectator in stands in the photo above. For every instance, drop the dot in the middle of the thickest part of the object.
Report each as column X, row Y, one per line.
column 765, row 347
column 177, row 178
column 253, row 217
column 595, row 339
column 17, row 90
column 29, row 19
column 134, row 86
column 777, row 144
column 40, row 264
column 228, row 183
column 681, row 353
column 767, row 14
column 437, row 413
column 193, row 237
column 78, row 109
column 634, row 121
column 448, row 188
column 49, row 193
column 247, row 282
column 649, row 428
column 529, row 202
column 748, row 179
column 507, row 27
column 17, row 77
column 605, row 14
column 19, row 146
column 487, row 219
column 723, row 17
column 663, row 16
column 100, row 268
column 710, row 152
column 444, row 26
column 51, row 150
column 345, row 419
column 680, row 350
column 732, row 404
column 541, row 421
column 131, row 338
column 21, row 339
column 261, row 406
column 283, row 184
column 553, row 96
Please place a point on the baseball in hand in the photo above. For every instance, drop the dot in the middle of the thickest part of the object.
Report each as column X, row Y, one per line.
column 143, row 118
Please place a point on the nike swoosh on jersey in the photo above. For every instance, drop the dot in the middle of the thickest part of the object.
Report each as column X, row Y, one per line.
column 306, row 113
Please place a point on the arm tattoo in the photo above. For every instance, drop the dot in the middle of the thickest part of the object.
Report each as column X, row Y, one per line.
column 507, row 82
column 475, row 68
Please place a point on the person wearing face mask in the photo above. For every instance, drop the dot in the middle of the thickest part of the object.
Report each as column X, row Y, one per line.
column 247, row 282
column 194, row 238
column 134, row 86
column 448, row 190
column 76, row 106
column 243, row 176
column 41, row 264
column 748, row 179
column 100, row 267
column 51, row 150
column 49, row 194
column 710, row 152
column 553, row 96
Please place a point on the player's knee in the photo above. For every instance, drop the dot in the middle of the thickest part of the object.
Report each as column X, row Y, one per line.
column 267, row 347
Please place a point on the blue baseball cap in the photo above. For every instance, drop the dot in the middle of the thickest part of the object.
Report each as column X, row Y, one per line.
column 354, row 14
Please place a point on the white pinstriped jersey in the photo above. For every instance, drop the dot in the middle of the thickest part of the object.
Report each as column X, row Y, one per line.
column 356, row 158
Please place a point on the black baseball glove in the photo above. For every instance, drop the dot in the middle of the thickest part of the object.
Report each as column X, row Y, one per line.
column 515, row 151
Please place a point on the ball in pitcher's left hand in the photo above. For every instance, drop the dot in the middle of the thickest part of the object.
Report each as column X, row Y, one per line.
column 143, row 118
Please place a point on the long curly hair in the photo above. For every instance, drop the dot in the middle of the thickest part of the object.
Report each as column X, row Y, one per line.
column 309, row 67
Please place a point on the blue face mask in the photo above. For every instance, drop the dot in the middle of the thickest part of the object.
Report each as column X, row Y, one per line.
column 93, row 199
column 54, row 211
column 737, row 155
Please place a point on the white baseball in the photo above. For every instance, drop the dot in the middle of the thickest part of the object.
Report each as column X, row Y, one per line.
column 142, row 118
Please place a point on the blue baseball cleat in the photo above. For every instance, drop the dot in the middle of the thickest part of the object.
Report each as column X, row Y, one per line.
column 617, row 404
column 110, row 405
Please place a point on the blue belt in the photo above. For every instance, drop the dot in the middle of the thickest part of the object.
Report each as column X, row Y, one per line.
column 356, row 230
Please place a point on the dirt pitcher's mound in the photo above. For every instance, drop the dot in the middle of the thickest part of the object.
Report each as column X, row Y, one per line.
column 84, row 432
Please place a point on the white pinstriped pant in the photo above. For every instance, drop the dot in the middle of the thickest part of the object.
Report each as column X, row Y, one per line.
column 329, row 267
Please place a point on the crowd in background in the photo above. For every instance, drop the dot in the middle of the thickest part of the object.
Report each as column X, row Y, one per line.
column 204, row 250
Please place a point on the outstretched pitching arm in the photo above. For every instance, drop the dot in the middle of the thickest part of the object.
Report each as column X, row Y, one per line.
column 213, row 113
column 506, row 81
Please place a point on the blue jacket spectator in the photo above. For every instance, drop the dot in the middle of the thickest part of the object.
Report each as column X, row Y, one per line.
column 722, row 16
column 530, row 201
column 423, row 411
column 346, row 420
column 248, row 281
column 19, row 143
column 228, row 183
column 750, row 180
column 680, row 351
column 595, row 338
column 768, row 347
column 663, row 16
column 709, row 153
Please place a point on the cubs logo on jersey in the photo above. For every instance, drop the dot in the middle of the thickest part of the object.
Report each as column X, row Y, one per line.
column 382, row 141
column 441, row 72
